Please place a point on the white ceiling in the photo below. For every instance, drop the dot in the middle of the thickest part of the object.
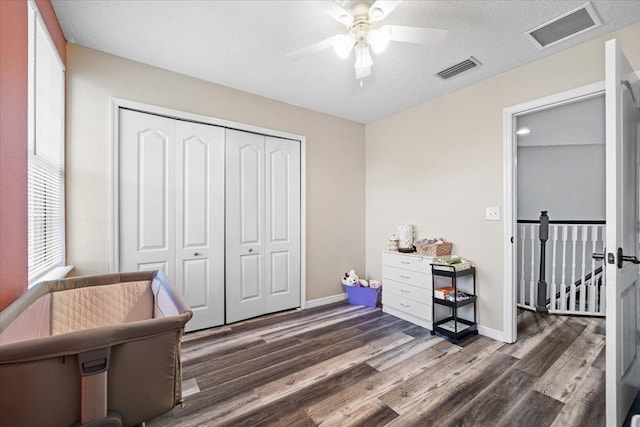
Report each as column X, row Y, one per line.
column 243, row 44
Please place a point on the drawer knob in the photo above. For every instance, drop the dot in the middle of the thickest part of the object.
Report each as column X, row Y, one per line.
column 405, row 277
column 406, row 292
column 405, row 305
column 405, row 262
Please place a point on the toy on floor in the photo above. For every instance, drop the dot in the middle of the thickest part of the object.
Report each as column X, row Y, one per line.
column 360, row 291
column 350, row 278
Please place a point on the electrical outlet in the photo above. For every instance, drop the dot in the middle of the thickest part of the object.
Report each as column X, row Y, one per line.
column 493, row 214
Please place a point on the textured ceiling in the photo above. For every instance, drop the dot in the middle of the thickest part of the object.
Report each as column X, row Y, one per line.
column 243, row 45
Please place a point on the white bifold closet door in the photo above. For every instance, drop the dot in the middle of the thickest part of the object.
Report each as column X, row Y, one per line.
column 171, row 210
column 262, row 224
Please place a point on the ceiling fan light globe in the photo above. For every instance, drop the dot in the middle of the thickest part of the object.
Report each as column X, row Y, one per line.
column 363, row 56
column 361, row 73
column 379, row 40
column 342, row 46
column 376, row 14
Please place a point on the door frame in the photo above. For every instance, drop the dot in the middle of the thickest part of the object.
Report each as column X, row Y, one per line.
column 510, row 200
column 117, row 103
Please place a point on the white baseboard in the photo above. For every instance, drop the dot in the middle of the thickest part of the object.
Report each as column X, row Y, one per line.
column 326, row 300
column 482, row 330
column 491, row 333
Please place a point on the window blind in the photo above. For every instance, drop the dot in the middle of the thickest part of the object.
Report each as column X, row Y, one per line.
column 46, row 151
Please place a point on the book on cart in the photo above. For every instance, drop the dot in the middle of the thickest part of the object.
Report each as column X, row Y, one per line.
column 447, row 293
column 443, row 293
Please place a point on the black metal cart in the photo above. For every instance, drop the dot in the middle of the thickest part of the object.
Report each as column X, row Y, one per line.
column 453, row 326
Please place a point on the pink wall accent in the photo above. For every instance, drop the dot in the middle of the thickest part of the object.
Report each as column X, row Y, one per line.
column 13, row 150
column 13, row 140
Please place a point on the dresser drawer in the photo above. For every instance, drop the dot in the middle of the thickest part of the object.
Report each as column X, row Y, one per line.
column 407, row 276
column 410, row 292
column 407, row 262
column 414, row 308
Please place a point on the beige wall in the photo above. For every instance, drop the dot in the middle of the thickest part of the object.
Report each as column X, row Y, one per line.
column 438, row 165
column 335, row 159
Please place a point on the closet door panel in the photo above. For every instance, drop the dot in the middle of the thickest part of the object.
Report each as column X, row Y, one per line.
column 282, row 194
column 151, row 266
column 280, row 279
column 146, row 211
column 195, row 169
column 250, row 277
column 153, row 148
column 278, row 172
column 195, row 273
column 200, row 221
column 249, row 173
column 245, row 235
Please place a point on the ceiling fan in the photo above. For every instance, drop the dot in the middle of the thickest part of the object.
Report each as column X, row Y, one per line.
column 361, row 17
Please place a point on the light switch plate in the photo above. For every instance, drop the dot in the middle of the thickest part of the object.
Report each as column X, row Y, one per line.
column 493, row 214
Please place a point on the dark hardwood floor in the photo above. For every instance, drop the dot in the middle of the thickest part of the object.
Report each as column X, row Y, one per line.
column 342, row 365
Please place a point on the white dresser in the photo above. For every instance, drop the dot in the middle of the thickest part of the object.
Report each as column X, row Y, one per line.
column 406, row 287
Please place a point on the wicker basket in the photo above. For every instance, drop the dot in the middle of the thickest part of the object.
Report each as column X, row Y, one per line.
column 435, row 249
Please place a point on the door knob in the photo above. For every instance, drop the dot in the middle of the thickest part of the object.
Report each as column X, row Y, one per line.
column 250, row 250
column 196, row 254
column 611, row 259
column 626, row 258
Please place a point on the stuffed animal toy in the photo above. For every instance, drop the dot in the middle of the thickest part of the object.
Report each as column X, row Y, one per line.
column 363, row 283
column 350, row 278
column 375, row 284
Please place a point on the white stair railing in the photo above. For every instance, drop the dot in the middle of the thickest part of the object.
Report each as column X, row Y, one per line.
column 575, row 281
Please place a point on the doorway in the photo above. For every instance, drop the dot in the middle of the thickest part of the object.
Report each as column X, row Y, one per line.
column 560, row 169
column 546, row 144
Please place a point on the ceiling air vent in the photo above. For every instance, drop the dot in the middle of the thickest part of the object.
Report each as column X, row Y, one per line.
column 461, row 67
column 565, row 26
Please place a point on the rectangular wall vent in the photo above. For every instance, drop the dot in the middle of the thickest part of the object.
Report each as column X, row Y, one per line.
column 461, row 67
column 565, row 26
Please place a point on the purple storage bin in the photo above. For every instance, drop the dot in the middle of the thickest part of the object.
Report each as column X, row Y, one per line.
column 359, row 295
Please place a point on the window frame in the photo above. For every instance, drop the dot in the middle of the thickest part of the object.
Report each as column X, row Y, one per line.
column 37, row 23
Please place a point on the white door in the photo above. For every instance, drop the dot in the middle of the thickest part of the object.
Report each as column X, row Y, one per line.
column 263, row 225
column 282, row 195
column 171, row 207
column 245, row 236
column 199, row 254
column 147, row 219
column 622, row 361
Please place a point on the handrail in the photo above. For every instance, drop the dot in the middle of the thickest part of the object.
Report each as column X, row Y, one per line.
column 569, row 222
column 577, row 283
column 571, row 243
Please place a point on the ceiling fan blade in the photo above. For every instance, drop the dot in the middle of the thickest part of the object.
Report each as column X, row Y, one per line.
column 419, row 35
column 336, row 11
column 386, row 6
column 314, row 48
